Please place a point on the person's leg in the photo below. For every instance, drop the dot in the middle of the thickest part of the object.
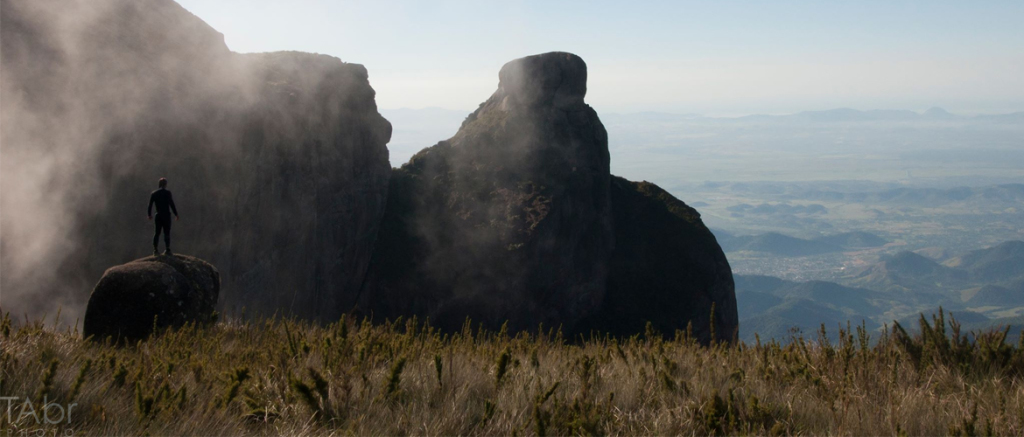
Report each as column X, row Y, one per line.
column 156, row 236
column 167, row 235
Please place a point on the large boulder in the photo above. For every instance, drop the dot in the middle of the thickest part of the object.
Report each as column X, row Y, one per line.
column 154, row 292
column 510, row 218
column 278, row 161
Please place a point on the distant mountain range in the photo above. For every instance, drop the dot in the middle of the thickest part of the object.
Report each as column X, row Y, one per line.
column 1004, row 262
column 1001, row 265
column 828, row 116
column 847, row 114
column 909, row 272
column 779, row 244
column 854, row 240
column 983, row 288
column 970, row 322
column 996, row 295
column 932, row 197
column 779, row 208
column 775, row 308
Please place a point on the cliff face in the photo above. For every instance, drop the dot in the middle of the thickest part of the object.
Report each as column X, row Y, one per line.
column 311, row 187
column 509, row 219
column 277, row 161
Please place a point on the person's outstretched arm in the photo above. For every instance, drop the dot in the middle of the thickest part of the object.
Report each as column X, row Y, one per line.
column 149, row 209
column 170, row 199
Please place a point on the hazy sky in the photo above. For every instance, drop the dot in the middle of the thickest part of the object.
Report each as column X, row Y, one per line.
column 723, row 57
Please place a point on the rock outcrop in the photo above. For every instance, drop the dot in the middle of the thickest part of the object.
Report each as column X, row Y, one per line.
column 508, row 219
column 154, row 292
column 277, row 160
column 517, row 218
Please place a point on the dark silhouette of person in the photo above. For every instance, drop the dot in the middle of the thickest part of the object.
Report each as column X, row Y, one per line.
column 164, row 206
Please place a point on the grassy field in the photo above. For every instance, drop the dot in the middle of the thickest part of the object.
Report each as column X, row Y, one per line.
column 281, row 377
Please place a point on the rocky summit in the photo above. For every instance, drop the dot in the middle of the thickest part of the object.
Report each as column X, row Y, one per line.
column 511, row 217
column 155, row 292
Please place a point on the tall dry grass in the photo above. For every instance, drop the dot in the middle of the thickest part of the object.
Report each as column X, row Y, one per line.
column 281, row 377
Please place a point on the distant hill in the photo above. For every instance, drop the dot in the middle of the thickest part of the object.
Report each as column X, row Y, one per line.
column 827, row 115
column 771, row 306
column 970, row 323
column 777, row 209
column 853, row 240
column 935, row 253
column 801, row 315
column 1003, row 262
column 913, row 264
column 753, row 303
column 908, row 271
column 1015, row 325
column 760, row 283
column 847, row 114
column 646, row 117
column 937, row 113
column 785, row 245
column 778, row 244
column 931, row 197
column 850, row 301
column 721, row 234
column 876, row 115
column 995, row 295
column 853, row 115
column 1014, row 117
column 912, row 323
column 991, row 278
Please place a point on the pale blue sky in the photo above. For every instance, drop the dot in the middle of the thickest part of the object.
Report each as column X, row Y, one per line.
column 725, row 57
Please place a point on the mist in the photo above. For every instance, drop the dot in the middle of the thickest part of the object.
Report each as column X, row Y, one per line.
column 102, row 98
column 70, row 103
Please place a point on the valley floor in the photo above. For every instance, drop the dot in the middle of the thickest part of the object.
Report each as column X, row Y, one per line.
column 289, row 378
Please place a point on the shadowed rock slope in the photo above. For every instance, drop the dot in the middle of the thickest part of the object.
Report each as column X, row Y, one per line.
column 517, row 217
column 666, row 268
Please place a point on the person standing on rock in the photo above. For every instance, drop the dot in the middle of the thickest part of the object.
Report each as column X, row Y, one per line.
column 164, row 206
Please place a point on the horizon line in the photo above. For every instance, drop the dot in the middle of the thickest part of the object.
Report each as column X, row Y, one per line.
column 721, row 114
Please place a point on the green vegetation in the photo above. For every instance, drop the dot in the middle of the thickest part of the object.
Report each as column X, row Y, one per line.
column 281, row 377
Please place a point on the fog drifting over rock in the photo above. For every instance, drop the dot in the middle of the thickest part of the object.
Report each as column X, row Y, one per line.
column 265, row 152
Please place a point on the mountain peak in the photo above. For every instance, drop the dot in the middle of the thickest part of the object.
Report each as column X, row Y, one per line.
column 913, row 264
column 938, row 112
column 554, row 78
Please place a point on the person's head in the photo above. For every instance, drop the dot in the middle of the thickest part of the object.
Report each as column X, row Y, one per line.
column 162, row 183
